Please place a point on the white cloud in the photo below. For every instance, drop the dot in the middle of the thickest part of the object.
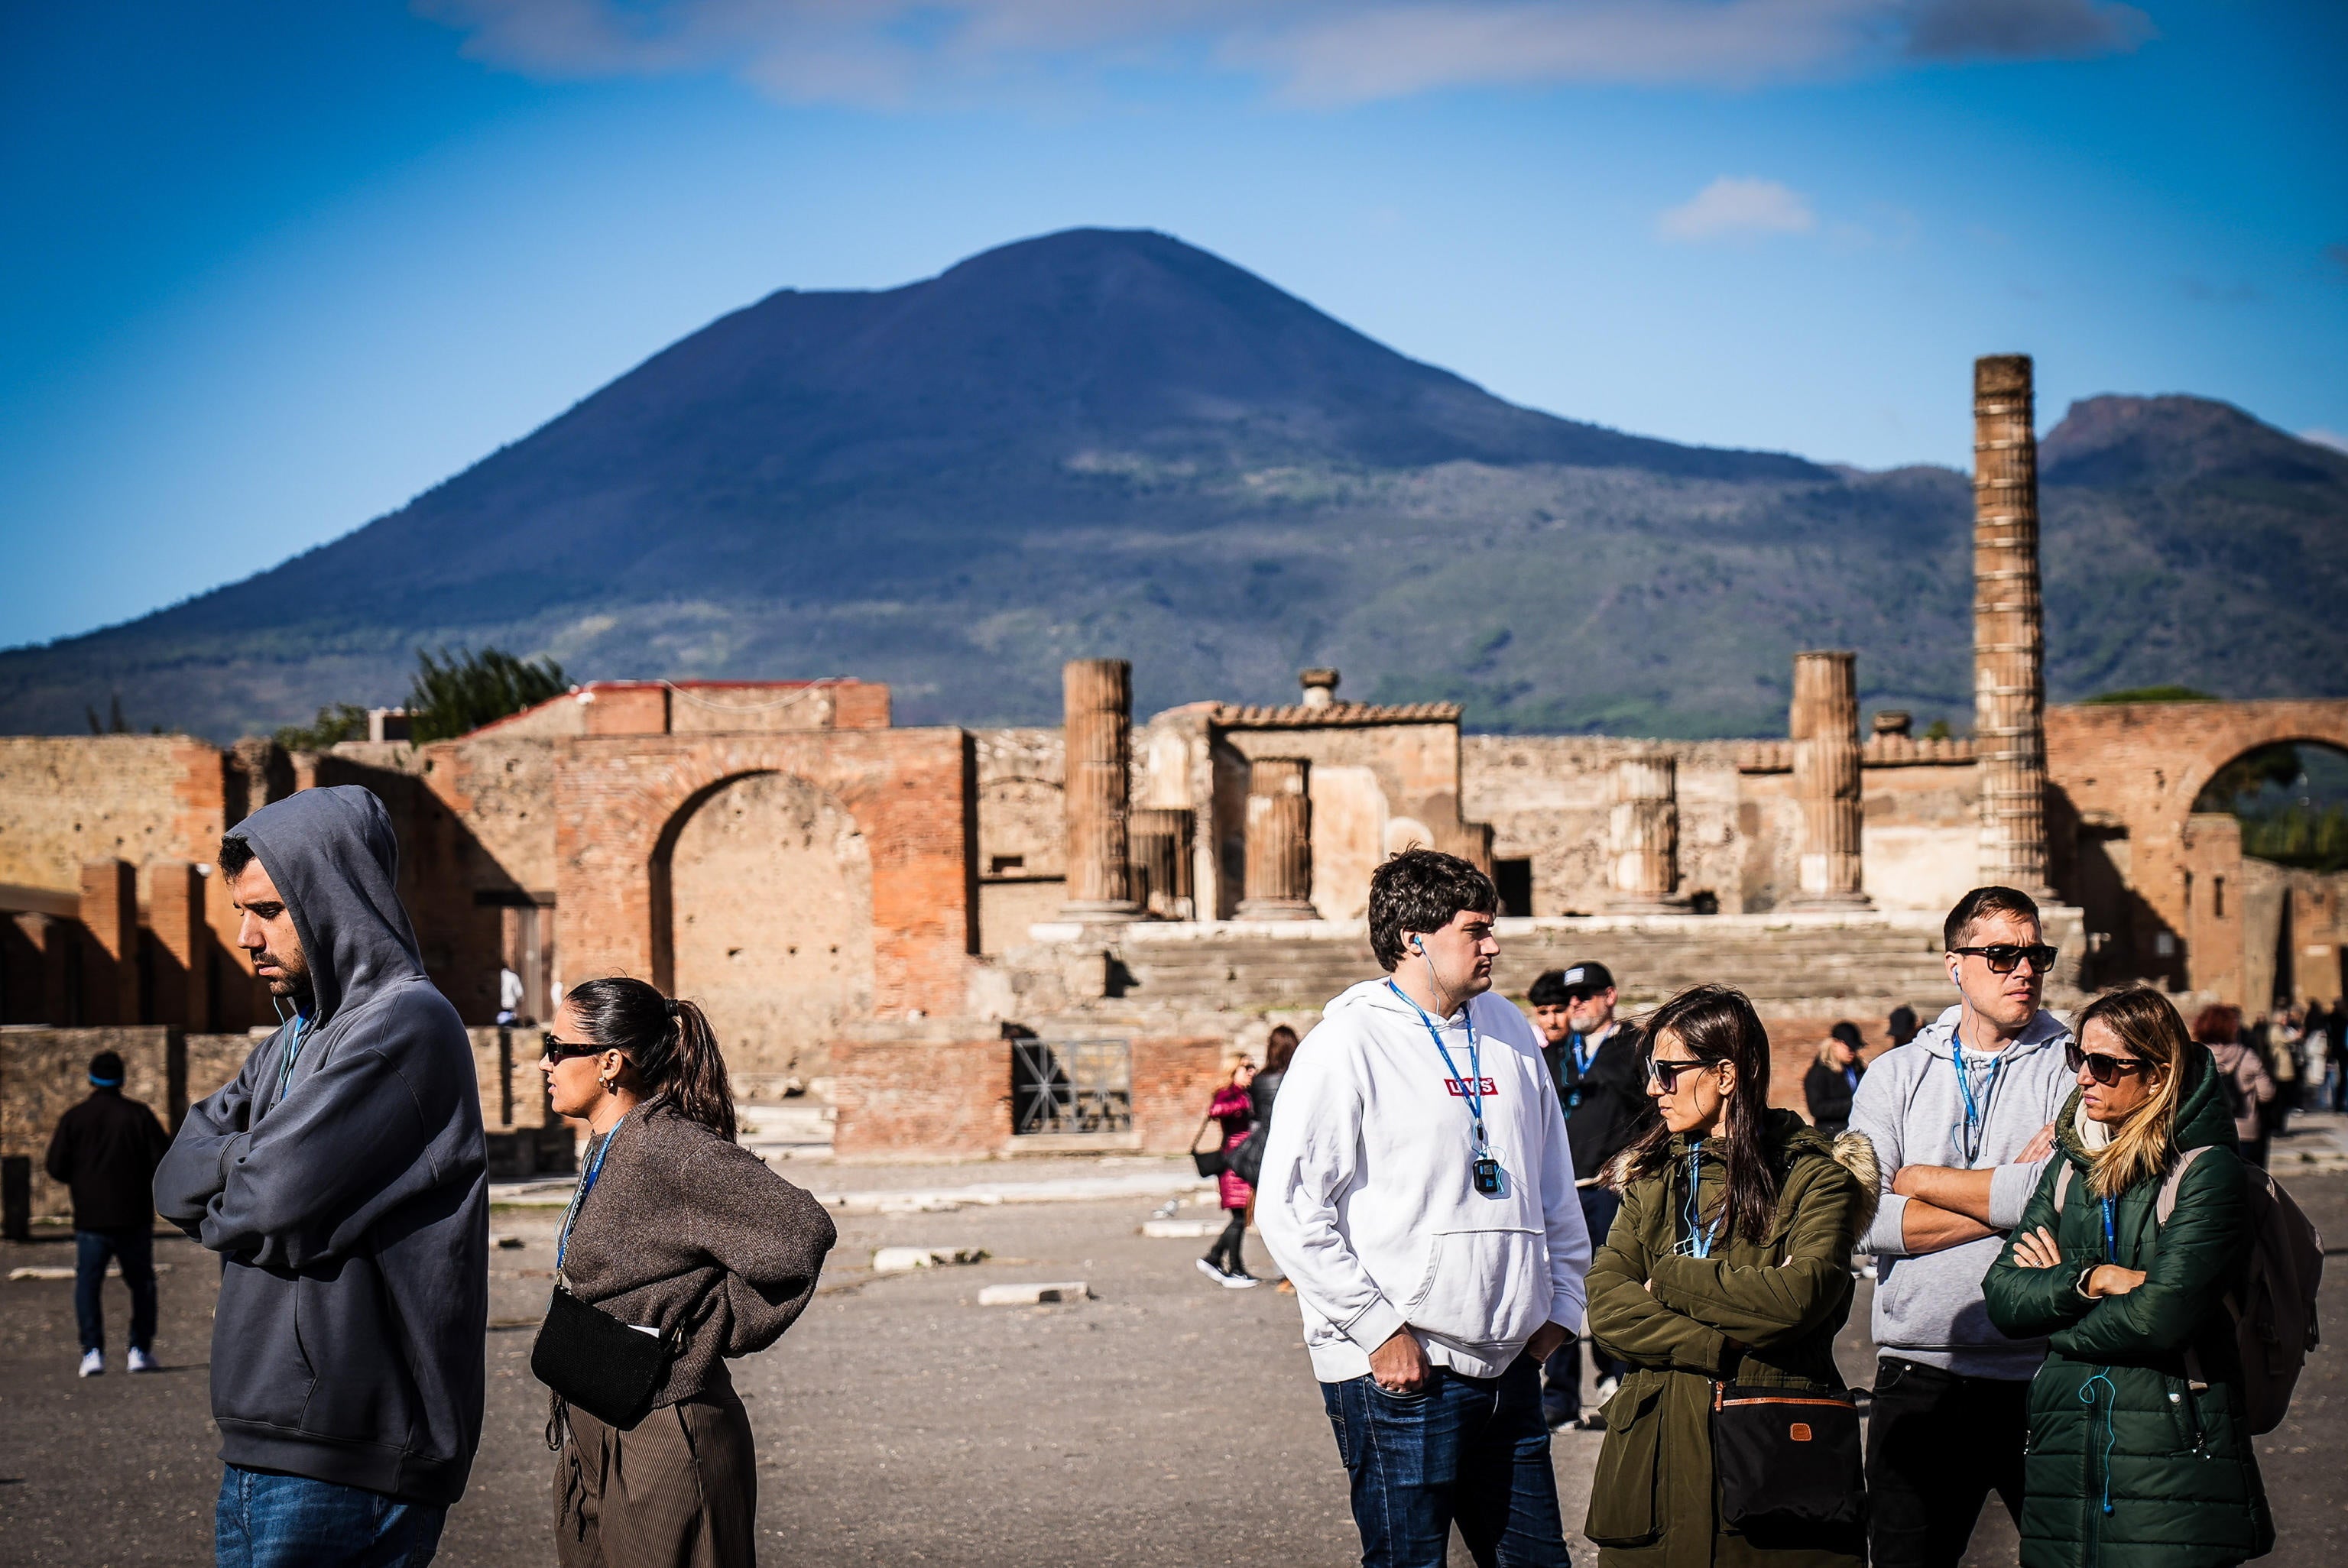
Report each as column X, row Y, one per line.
column 1734, row 209
column 2331, row 438
column 891, row 53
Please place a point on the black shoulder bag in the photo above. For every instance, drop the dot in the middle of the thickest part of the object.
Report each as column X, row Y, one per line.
column 1211, row 1161
column 590, row 1359
column 1788, row 1462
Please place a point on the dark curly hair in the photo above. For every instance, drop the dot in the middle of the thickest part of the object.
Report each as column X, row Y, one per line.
column 1421, row 890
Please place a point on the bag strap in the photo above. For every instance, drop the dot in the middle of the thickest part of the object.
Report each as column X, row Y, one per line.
column 2062, row 1181
column 1203, row 1127
column 2166, row 1205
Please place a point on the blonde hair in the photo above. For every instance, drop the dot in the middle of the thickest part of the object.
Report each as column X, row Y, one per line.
column 2142, row 1145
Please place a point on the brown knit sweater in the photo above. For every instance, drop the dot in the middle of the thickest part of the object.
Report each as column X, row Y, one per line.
column 685, row 1232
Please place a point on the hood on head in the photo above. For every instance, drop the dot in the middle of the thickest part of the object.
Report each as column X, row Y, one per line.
column 335, row 861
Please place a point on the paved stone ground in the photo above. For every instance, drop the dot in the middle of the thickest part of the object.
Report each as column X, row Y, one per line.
column 1168, row 1421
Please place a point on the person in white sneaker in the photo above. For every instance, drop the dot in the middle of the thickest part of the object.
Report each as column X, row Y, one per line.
column 1418, row 1189
column 106, row 1149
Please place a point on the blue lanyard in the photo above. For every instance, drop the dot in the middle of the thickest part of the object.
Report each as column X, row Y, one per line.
column 292, row 1054
column 1699, row 1244
column 586, row 1185
column 2111, row 1235
column 1580, row 1062
column 1975, row 1114
column 1472, row 1087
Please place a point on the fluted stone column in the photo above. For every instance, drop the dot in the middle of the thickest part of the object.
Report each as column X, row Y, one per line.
column 1161, row 860
column 1824, row 727
column 2009, row 628
column 1643, row 832
column 1098, row 694
column 1278, row 884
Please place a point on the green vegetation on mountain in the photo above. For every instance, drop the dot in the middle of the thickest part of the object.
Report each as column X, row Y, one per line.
column 1111, row 443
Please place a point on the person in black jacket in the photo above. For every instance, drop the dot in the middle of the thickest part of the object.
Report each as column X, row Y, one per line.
column 105, row 1149
column 344, row 1180
column 1833, row 1079
column 1595, row 1061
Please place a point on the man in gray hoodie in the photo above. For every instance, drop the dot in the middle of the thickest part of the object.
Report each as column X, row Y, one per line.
column 1962, row 1119
column 343, row 1180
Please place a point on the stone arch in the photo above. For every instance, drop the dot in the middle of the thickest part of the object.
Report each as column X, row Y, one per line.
column 2233, row 729
column 909, row 792
column 762, row 912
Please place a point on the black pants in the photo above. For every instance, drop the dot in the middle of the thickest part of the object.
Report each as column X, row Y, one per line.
column 1561, row 1373
column 134, row 1249
column 1937, row 1446
column 1225, row 1254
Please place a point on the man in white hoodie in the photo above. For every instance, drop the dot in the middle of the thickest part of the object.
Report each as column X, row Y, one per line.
column 1418, row 1190
column 1962, row 1119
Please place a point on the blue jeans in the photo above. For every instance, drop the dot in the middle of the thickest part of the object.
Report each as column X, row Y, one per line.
column 1470, row 1451
column 265, row 1521
column 135, row 1250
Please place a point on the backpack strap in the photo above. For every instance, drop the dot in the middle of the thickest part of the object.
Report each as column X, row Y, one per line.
column 2166, row 1205
column 2062, row 1181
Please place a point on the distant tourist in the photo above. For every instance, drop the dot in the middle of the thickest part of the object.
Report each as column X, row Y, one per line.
column 681, row 1232
column 1596, row 1062
column 2336, row 1035
column 510, row 995
column 2315, row 1048
column 1901, row 1027
column 2242, row 1077
column 344, row 1182
column 1962, row 1118
column 2130, row 1461
column 105, row 1149
column 1419, row 1191
column 1234, row 1112
column 1833, row 1079
column 1728, row 1276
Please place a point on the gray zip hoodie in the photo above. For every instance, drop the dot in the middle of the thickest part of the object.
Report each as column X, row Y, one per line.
column 1929, row 1307
column 350, row 1210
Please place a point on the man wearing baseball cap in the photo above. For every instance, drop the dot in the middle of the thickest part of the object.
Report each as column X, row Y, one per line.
column 1594, row 1061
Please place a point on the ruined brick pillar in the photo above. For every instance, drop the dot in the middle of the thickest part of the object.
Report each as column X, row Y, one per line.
column 1825, row 729
column 1643, row 832
column 175, row 913
column 110, row 913
column 1161, row 860
column 1098, row 694
column 2009, row 629
column 1279, row 841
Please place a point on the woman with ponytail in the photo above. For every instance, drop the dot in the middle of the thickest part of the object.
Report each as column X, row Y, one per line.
column 2141, row 1446
column 1723, row 1283
column 678, row 1230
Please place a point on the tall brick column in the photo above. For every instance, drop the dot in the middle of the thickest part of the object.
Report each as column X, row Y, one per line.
column 1161, row 860
column 1099, row 697
column 2009, row 628
column 1825, row 728
column 1279, row 841
column 110, row 913
column 175, row 913
column 1643, row 832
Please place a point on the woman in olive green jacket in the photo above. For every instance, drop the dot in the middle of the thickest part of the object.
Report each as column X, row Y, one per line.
column 1748, row 1283
column 2138, row 1452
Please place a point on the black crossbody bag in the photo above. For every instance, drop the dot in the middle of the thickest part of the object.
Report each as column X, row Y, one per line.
column 590, row 1359
column 1787, row 1460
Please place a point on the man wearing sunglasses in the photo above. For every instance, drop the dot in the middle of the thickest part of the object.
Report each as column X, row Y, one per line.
column 1962, row 1119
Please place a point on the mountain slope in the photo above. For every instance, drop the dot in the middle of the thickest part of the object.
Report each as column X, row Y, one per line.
column 1110, row 442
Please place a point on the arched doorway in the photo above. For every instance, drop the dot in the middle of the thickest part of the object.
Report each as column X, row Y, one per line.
column 2288, row 801
column 769, row 922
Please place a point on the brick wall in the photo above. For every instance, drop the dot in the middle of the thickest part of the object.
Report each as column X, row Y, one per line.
column 1174, row 1077
column 620, row 802
column 923, row 1095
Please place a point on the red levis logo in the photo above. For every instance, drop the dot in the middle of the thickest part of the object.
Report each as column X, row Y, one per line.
column 1458, row 1087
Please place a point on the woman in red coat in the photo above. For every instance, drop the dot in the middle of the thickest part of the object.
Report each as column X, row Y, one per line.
column 1232, row 1109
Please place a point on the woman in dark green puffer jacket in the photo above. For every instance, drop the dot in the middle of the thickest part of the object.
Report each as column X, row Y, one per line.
column 1749, row 1282
column 2138, row 1452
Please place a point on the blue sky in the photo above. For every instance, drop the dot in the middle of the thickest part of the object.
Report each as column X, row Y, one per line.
column 269, row 270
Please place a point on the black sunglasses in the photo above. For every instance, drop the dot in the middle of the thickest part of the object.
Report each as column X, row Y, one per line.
column 2002, row 956
column 1665, row 1075
column 2104, row 1070
column 564, row 1050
